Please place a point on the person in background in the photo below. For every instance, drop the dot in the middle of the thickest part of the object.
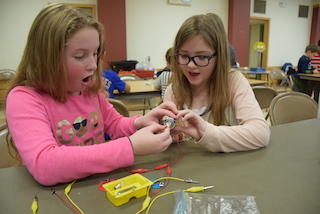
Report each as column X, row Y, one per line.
column 305, row 67
column 113, row 81
column 233, row 57
column 168, row 58
column 163, row 79
column 56, row 111
column 216, row 103
column 315, row 62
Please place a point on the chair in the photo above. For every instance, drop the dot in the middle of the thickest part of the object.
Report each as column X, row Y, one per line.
column 6, row 159
column 119, row 106
column 277, row 74
column 292, row 106
column 146, row 105
column 5, row 76
column 264, row 96
column 129, row 77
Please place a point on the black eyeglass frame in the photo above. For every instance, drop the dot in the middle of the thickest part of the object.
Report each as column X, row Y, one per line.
column 192, row 58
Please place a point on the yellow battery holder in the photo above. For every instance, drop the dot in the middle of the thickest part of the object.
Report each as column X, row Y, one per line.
column 122, row 190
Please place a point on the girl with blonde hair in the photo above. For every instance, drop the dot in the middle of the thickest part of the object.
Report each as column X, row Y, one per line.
column 56, row 112
column 217, row 104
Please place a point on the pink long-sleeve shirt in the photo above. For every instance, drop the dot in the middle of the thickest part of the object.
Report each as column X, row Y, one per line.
column 60, row 142
column 246, row 129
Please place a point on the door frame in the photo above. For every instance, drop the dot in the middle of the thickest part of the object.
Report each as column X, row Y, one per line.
column 266, row 23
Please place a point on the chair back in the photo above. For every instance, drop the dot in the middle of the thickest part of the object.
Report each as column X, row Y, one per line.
column 277, row 74
column 7, row 74
column 264, row 95
column 5, row 77
column 119, row 106
column 129, row 77
column 292, row 106
column 6, row 160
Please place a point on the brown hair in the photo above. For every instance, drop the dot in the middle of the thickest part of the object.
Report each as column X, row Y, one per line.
column 169, row 55
column 42, row 66
column 210, row 27
column 312, row 48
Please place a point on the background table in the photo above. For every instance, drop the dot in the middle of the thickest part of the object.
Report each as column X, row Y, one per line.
column 139, row 89
column 265, row 75
column 144, row 89
column 254, row 82
column 284, row 177
column 315, row 77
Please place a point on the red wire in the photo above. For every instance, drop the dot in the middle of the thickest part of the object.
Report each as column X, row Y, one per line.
column 65, row 201
column 161, row 166
column 166, row 183
column 180, row 156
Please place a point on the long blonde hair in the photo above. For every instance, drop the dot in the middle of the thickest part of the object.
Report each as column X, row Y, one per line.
column 42, row 66
column 210, row 27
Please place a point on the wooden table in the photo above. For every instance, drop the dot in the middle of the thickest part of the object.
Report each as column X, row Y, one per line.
column 259, row 73
column 139, row 89
column 284, row 177
column 315, row 77
column 144, row 89
column 254, row 82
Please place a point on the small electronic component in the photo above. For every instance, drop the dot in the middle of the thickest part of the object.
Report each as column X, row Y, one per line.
column 34, row 205
column 122, row 190
column 169, row 122
column 126, row 190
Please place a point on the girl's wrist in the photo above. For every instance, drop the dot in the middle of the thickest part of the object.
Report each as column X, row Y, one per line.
column 136, row 123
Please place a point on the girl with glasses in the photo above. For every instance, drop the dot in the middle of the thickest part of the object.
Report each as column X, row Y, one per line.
column 217, row 105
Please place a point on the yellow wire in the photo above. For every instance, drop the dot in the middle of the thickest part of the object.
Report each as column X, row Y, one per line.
column 164, row 194
column 146, row 201
column 66, row 192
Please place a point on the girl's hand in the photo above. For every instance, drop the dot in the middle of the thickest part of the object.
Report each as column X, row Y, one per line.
column 155, row 115
column 196, row 125
column 146, row 142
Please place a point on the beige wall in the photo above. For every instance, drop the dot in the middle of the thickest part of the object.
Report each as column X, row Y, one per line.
column 289, row 34
column 16, row 18
column 152, row 25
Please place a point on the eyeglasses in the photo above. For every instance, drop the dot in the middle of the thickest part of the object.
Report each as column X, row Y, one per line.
column 201, row 61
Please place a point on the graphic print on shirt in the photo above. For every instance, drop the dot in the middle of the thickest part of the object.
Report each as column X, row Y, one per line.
column 94, row 120
column 80, row 126
column 66, row 130
column 108, row 83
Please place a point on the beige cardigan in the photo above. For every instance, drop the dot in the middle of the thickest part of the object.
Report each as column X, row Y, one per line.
column 247, row 128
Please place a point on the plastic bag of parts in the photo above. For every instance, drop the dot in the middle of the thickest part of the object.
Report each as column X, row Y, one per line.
column 195, row 203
